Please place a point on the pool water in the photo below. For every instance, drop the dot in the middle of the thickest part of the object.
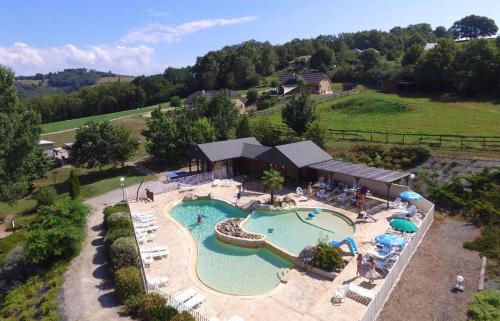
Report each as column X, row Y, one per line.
column 224, row 267
column 292, row 231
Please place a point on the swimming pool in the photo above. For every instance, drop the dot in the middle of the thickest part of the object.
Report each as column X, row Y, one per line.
column 292, row 230
column 224, row 267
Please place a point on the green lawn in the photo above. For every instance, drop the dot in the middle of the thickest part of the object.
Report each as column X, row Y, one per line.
column 75, row 123
column 424, row 116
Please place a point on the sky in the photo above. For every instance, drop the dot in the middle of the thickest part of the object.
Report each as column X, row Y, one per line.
column 144, row 37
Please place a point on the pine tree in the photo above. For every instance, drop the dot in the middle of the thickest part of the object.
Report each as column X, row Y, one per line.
column 74, row 184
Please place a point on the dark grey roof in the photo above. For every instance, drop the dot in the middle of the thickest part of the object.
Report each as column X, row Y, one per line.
column 226, row 149
column 253, row 151
column 310, row 78
column 303, row 153
column 360, row 171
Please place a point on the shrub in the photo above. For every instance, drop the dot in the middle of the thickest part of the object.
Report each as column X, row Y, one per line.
column 128, row 283
column 123, row 253
column 252, row 96
column 115, row 208
column 45, row 195
column 74, row 184
column 184, row 316
column 154, row 308
column 486, row 306
column 118, row 219
column 327, row 257
column 133, row 304
column 115, row 233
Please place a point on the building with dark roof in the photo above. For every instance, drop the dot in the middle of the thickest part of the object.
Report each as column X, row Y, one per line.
column 305, row 83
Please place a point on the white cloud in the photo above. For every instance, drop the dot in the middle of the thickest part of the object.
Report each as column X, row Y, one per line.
column 156, row 32
column 25, row 59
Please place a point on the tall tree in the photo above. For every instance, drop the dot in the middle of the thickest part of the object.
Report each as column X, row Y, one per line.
column 21, row 158
column 124, row 145
column 272, row 180
column 322, row 59
column 74, row 184
column 201, row 131
column 411, row 55
column 222, row 112
column 298, row 113
column 473, row 27
column 162, row 137
column 243, row 127
column 441, row 32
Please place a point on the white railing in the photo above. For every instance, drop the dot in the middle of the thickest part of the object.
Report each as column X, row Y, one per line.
column 393, row 276
column 159, row 187
column 179, row 306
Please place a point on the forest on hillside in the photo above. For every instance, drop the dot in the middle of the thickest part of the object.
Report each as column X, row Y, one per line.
column 456, row 68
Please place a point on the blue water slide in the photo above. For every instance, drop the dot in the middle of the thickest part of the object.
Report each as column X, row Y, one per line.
column 353, row 248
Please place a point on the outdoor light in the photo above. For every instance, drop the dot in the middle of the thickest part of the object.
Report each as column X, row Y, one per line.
column 460, row 283
column 122, row 185
column 412, row 176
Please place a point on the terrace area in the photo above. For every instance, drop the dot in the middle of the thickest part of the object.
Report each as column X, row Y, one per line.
column 305, row 296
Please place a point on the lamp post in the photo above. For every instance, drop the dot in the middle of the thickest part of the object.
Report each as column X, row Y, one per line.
column 412, row 177
column 122, row 185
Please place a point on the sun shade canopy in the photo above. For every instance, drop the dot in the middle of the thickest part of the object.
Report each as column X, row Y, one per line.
column 360, row 171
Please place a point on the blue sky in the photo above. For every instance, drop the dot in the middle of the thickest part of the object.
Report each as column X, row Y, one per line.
column 144, row 37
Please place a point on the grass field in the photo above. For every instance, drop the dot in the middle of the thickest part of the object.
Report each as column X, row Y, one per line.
column 423, row 116
column 75, row 123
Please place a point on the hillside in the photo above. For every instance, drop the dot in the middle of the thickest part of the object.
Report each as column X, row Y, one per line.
column 66, row 81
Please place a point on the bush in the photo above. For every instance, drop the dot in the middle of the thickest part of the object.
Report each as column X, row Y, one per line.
column 252, row 96
column 123, row 253
column 45, row 196
column 184, row 316
column 327, row 257
column 74, row 184
column 154, row 308
column 128, row 283
column 115, row 233
column 486, row 306
column 133, row 304
column 114, row 209
column 118, row 219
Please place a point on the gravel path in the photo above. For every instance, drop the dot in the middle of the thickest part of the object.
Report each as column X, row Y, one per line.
column 425, row 291
column 88, row 292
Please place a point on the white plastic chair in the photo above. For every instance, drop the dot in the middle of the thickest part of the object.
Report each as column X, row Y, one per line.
column 342, row 198
column 299, row 192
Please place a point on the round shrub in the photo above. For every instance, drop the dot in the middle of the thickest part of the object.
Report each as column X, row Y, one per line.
column 45, row 196
column 327, row 257
column 115, row 233
column 128, row 283
column 154, row 308
column 133, row 304
column 115, row 208
column 118, row 219
column 184, row 316
column 123, row 253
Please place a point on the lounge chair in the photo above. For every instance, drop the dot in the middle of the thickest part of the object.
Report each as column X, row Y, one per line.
column 386, row 265
column 339, row 296
column 147, row 260
column 214, row 319
column 360, row 294
column 409, row 212
column 156, row 282
column 225, row 183
column 185, row 295
column 321, row 194
column 396, row 204
column 216, row 182
column 236, row 318
column 320, row 182
column 195, row 301
column 342, row 198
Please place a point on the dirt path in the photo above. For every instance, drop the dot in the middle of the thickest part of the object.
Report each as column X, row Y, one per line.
column 88, row 292
column 425, row 291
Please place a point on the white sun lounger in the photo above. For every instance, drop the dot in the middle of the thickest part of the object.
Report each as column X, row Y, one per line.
column 360, row 294
column 214, row 319
column 185, row 295
column 144, row 219
column 152, row 228
column 216, row 182
column 236, row 318
column 195, row 301
column 147, row 260
column 156, row 282
column 154, row 249
column 146, row 237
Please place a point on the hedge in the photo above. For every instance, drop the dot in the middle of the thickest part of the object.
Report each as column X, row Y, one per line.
column 123, row 253
column 128, row 283
column 154, row 308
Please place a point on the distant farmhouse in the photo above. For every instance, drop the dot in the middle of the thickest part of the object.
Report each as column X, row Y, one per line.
column 430, row 45
column 238, row 99
column 305, row 83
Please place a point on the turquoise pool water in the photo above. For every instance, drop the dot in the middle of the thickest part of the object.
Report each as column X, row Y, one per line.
column 223, row 267
column 292, row 231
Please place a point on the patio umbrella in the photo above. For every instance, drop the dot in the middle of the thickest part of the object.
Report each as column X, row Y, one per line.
column 389, row 240
column 400, row 224
column 410, row 196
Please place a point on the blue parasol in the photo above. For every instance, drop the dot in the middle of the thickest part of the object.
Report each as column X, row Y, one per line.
column 389, row 240
column 410, row 196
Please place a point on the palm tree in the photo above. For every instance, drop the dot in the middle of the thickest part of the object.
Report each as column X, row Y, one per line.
column 271, row 181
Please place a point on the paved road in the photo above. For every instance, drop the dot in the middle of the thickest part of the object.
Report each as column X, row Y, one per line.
column 88, row 292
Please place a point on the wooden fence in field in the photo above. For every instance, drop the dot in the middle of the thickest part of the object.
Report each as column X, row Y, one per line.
column 489, row 143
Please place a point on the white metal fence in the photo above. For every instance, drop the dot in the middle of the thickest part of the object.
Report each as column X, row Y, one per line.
column 160, row 187
column 393, row 276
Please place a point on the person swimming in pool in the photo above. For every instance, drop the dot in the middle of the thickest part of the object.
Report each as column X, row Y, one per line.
column 200, row 218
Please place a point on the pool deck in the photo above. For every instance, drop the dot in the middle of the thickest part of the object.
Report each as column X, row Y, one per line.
column 305, row 297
